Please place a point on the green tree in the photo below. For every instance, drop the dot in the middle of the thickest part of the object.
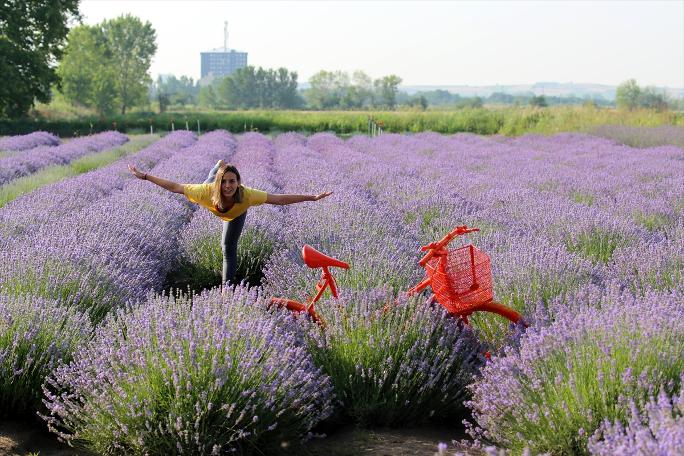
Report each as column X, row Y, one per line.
column 132, row 45
column 207, row 97
column 327, row 89
column 651, row 98
column 539, row 101
column 251, row 87
column 32, row 34
column 106, row 66
column 86, row 75
column 628, row 94
column 387, row 88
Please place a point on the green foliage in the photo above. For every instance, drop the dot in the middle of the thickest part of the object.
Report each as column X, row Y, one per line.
column 387, row 88
column 506, row 121
column 597, row 245
column 32, row 34
column 630, row 96
column 652, row 222
column 174, row 91
column 580, row 197
column 539, row 101
column 327, row 89
column 391, row 363
column 627, row 95
column 251, row 87
column 106, row 65
column 132, row 46
column 207, row 97
column 201, row 266
column 336, row 90
column 87, row 78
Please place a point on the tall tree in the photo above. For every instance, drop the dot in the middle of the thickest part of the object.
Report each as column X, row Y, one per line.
column 327, row 89
column 132, row 45
column 251, row 87
column 387, row 88
column 86, row 72
column 32, row 34
column 628, row 94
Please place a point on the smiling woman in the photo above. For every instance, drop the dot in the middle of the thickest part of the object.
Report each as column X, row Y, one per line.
column 223, row 195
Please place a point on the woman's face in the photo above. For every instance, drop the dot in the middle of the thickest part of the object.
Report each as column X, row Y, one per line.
column 229, row 184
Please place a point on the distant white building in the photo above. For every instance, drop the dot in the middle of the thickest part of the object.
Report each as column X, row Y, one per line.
column 221, row 62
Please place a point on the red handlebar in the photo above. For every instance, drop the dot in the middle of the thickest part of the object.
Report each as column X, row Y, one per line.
column 433, row 247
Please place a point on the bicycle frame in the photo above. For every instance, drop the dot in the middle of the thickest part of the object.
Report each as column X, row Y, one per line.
column 314, row 259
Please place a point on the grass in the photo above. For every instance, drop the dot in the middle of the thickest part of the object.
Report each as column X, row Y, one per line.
column 509, row 120
column 597, row 245
column 52, row 174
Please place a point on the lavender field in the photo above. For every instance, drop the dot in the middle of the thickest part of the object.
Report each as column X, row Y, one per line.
column 586, row 239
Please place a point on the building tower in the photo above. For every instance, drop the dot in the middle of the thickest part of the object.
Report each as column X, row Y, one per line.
column 221, row 62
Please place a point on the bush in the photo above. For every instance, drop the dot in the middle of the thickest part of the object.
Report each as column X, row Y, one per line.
column 402, row 364
column 35, row 335
column 209, row 375
column 659, row 430
column 567, row 378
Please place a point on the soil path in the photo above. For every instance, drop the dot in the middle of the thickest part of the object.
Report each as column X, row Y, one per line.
column 26, row 438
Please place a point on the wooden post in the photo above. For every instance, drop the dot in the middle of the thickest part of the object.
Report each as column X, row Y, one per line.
column 172, row 127
column 198, row 127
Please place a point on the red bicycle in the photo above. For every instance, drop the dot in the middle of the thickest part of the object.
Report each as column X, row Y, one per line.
column 460, row 278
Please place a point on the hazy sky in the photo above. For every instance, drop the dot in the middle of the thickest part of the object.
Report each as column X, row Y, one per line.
column 425, row 43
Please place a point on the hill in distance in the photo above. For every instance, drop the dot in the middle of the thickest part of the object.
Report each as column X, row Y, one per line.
column 558, row 89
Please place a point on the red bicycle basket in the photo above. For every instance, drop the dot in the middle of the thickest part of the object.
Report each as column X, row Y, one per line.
column 462, row 280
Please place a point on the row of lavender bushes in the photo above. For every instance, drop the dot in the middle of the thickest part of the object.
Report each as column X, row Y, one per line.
column 29, row 141
column 589, row 253
column 19, row 165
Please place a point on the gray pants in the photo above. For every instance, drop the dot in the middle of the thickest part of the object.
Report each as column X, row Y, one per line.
column 229, row 238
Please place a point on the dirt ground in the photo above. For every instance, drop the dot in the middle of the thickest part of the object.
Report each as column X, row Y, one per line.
column 22, row 439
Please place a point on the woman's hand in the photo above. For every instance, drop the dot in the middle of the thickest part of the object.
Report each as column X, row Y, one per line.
column 322, row 195
column 137, row 173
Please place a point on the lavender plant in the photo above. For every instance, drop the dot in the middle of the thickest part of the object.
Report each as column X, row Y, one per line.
column 29, row 141
column 207, row 375
column 35, row 336
column 658, row 429
column 394, row 363
column 16, row 166
column 554, row 391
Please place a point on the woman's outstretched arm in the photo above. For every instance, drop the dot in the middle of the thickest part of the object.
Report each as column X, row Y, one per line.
column 291, row 199
column 163, row 183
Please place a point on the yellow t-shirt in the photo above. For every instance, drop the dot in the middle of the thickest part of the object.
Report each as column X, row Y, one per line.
column 201, row 194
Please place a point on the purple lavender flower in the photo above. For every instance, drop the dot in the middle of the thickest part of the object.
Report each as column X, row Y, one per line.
column 574, row 374
column 16, row 166
column 180, row 375
column 659, row 429
column 29, row 141
column 37, row 334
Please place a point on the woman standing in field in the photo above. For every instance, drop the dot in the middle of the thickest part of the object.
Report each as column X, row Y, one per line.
column 224, row 196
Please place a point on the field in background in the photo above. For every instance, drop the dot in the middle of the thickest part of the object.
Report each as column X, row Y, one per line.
column 509, row 121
